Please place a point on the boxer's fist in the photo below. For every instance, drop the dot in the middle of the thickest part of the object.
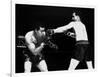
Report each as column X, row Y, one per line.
column 71, row 34
column 50, row 31
column 42, row 44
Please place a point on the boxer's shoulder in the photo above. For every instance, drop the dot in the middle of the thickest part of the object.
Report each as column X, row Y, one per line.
column 29, row 33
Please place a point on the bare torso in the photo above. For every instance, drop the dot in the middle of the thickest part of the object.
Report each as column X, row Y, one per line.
column 80, row 31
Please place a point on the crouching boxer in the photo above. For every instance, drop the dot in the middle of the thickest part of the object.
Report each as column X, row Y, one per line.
column 35, row 43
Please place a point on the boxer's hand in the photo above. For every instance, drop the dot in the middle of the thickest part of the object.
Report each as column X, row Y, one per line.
column 50, row 31
column 55, row 46
column 71, row 34
column 42, row 44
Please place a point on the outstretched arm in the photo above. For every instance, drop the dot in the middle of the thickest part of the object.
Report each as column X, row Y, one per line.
column 63, row 28
column 60, row 29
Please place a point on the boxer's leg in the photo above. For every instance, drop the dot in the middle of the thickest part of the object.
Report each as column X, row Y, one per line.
column 89, row 57
column 42, row 66
column 27, row 66
column 73, row 64
column 77, row 57
column 89, row 64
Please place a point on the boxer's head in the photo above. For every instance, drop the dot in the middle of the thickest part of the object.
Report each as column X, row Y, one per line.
column 40, row 30
column 75, row 17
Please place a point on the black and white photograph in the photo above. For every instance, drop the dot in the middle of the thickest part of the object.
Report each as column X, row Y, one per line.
column 53, row 38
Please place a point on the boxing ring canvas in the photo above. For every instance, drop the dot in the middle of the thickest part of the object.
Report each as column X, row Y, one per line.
column 28, row 16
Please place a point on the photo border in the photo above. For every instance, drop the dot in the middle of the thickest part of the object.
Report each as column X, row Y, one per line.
column 31, row 2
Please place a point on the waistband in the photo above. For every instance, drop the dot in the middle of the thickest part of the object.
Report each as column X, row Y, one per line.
column 82, row 42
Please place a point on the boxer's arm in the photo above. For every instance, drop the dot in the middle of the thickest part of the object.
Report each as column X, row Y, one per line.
column 60, row 29
column 33, row 49
column 71, row 34
column 63, row 28
column 39, row 49
column 30, row 43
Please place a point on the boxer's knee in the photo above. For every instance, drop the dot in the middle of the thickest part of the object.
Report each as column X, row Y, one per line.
column 42, row 66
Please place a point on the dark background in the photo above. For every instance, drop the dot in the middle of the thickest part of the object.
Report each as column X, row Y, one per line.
column 29, row 16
